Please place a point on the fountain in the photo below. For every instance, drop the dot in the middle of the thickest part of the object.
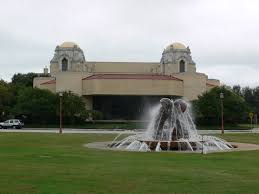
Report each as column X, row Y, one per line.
column 172, row 128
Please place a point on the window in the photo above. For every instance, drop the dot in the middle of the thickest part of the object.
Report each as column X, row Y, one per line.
column 64, row 64
column 182, row 66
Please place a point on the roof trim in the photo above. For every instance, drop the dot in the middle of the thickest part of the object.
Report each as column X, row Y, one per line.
column 208, row 84
column 49, row 82
column 132, row 76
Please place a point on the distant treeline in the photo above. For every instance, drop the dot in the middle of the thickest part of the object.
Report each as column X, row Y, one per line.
column 18, row 99
column 237, row 104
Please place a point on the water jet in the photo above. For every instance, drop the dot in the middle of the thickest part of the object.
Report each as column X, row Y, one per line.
column 172, row 128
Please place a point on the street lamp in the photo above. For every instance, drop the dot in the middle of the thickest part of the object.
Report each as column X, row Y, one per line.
column 60, row 112
column 221, row 95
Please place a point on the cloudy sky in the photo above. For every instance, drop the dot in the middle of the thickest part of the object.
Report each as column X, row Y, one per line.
column 222, row 35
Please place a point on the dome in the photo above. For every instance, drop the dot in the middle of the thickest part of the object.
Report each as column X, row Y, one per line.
column 68, row 45
column 176, row 45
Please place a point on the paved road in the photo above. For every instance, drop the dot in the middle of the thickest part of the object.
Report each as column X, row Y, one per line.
column 109, row 131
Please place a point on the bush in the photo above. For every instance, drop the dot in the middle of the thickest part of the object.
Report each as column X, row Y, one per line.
column 208, row 107
column 94, row 115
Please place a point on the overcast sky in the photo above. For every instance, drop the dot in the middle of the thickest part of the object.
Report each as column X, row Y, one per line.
column 222, row 35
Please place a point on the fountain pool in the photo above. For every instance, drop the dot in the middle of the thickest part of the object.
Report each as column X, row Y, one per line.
column 171, row 129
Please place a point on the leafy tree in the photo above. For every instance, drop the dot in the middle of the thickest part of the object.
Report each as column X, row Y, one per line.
column 73, row 108
column 248, row 95
column 251, row 96
column 6, row 98
column 237, row 89
column 42, row 106
column 92, row 115
column 255, row 102
column 208, row 107
column 36, row 105
column 26, row 79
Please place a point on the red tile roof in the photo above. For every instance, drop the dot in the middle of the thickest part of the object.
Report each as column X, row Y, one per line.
column 211, row 85
column 132, row 76
column 49, row 82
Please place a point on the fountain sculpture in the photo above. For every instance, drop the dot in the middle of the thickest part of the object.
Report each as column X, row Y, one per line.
column 172, row 128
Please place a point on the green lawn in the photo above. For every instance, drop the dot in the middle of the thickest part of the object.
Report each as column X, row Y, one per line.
column 136, row 125
column 96, row 125
column 53, row 163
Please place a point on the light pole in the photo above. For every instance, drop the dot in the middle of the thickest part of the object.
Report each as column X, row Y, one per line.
column 202, row 151
column 60, row 112
column 221, row 95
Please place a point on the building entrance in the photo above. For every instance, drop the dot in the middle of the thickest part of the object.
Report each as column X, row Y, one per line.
column 125, row 107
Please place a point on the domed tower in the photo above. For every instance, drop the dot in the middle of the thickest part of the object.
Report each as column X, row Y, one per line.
column 176, row 58
column 68, row 57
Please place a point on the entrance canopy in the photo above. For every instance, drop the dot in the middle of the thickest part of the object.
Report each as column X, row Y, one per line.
column 132, row 84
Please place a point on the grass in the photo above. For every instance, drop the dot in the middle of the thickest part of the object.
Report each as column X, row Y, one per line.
column 226, row 127
column 249, row 125
column 97, row 125
column 53, row 163
column 136, row 125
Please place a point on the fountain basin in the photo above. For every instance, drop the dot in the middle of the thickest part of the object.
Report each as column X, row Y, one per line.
column 237, row 147
column 176, row 145
column 172, row 129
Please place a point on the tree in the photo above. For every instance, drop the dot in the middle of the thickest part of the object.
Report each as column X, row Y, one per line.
column 237, row 89
column 73, row 108
column 6, row 98
column 36, row 105
column 26, row 80
column 248, row 95
column 42, row 106
column 255, row 102
column 208, row 106
column 251, row 96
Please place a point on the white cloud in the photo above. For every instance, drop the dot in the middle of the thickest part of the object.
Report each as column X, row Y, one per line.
column 218, row 32
column 244, row 75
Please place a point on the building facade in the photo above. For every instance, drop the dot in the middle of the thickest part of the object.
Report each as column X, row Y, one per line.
column 124, row 90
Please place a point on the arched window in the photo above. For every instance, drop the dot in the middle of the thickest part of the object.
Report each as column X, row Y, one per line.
column 182, row 66
column 64, row 64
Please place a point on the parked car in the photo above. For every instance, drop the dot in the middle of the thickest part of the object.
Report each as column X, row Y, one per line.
column 12, row 123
